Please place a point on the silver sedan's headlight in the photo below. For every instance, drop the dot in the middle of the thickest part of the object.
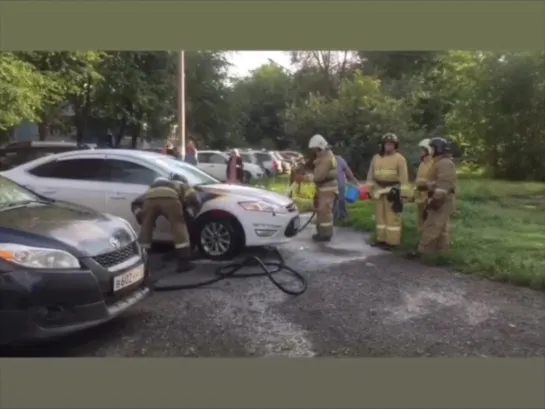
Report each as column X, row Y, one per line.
column 37, row 257
column 260, row 206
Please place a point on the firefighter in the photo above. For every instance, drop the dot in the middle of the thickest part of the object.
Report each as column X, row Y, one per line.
column 170, row 198
column 442, row 183
column 388, row 181
column 421, row 182
column 327, row 186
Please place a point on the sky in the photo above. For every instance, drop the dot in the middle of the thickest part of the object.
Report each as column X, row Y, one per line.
column 246, row 61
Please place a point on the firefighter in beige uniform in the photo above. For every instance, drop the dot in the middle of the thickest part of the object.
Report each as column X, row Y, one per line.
column 167, row 198
column 327, row 186
column 389, row 182
column 442, row 183
column 421, row 182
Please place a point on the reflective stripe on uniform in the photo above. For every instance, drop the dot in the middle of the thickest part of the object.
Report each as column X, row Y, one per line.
column 393, row 228
column 328, row 224
column 385, row 172
column 380, row 226
column 405, row 190
column 441, row 191
column 182, row 245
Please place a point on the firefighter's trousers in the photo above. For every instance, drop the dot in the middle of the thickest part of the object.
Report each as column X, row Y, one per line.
column 324, row 213
column 388, row 223
column 435, row 233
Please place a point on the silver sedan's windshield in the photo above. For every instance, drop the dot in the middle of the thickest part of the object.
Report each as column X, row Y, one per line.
column 193, row 175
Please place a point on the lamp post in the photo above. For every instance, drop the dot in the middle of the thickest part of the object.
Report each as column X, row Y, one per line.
column 181, row 101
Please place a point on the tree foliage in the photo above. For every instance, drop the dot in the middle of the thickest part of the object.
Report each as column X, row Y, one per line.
column 491, row 104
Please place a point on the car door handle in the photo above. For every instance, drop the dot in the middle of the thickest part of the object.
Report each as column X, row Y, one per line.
column 118, row 197
column 48, row 192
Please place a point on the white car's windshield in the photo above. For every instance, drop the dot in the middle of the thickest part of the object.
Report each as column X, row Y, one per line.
column 13, row 194
column 193, row 175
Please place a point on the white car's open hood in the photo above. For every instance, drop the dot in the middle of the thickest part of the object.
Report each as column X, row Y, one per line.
column 247, row 192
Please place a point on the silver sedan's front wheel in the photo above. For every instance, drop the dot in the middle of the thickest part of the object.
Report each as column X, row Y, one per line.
column 218, row 239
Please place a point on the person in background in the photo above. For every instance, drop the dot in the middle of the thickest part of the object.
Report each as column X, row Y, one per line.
column 191, row 154
column 345, row 175
column 421, row 182
column 167, row 148
column 388, row 178
column 107, row 141
column 325, row 178
column 441, row 204
column 171, row 150
column 235, row 168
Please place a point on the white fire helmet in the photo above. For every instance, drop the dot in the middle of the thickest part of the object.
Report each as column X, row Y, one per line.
column 317, row 141
column 425, row 144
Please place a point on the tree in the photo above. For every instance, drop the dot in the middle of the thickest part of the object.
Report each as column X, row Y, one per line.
column 209, row 114
column 497, row 104
column 137, row 87
column 24, row 91
column 321, row 72
column 77, row 77
column 354, row 122
column 259, row 102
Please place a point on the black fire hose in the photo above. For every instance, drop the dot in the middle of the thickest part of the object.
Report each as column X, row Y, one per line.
column 232, row 270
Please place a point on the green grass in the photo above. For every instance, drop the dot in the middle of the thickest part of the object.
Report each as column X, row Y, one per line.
column 498, row 230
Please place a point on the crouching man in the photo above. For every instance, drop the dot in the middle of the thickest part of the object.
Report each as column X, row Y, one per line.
column 168, row 198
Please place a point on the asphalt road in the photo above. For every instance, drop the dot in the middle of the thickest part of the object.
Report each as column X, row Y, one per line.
column 361, row 302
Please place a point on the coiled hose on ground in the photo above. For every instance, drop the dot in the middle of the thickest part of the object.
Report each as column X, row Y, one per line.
column 233, row 270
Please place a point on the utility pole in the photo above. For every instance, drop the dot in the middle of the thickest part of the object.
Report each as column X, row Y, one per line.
column 181, row 102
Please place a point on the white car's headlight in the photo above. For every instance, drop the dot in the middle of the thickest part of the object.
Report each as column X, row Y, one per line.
column 37, row 257
column 259, row 206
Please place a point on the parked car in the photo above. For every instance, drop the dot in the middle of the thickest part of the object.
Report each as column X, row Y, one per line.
column 63, row 267
column 109, row 180
column 17, row 153
column 250, row 157
column 215, row 164
column 292, row 155
column 266, row 159
column 285, row 163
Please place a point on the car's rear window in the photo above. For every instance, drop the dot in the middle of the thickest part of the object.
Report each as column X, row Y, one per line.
column 12, row 157
column 264, row 156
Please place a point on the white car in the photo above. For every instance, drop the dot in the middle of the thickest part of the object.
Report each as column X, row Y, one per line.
column 108, row 180
column 215, row 164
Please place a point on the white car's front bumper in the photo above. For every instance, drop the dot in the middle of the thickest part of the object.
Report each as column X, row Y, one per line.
column 266, row 229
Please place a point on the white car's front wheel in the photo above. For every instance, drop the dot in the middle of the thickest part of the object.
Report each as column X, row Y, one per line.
column 218, row 238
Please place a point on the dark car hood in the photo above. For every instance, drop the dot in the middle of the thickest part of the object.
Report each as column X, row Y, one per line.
column 75, row 226
column 246, row 192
